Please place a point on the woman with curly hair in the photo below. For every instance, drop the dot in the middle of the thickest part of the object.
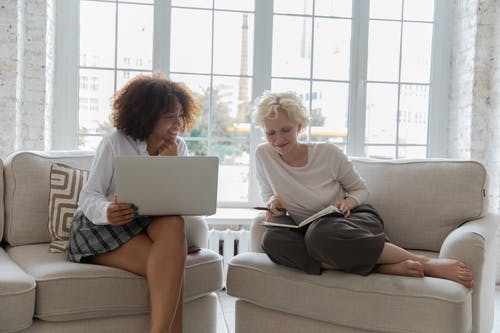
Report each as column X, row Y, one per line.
column 149, row 113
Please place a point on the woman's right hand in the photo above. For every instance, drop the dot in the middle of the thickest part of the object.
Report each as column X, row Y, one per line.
column 119, row 213
column 276, row 207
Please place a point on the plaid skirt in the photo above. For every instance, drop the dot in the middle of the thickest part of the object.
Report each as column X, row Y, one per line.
column 88, row 239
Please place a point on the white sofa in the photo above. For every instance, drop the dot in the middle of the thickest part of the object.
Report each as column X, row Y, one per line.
column 43, row 292
column 436, row 207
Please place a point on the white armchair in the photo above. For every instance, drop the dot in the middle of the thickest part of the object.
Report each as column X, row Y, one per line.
column 432, row 207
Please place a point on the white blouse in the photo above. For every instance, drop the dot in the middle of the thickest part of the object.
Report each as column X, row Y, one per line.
column 328, row 176
column 99, row 190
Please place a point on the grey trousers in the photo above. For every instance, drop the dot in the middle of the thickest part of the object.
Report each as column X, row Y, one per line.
column 350, row 244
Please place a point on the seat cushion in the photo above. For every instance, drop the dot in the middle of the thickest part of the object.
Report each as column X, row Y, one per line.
column 68, row 291
column 17, row 296
column 377, row 302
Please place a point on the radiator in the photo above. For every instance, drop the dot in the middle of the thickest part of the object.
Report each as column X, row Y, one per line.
column 228, row 243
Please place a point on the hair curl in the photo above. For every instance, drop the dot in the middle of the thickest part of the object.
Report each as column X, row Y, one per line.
column 140, row 103
column 270, row 103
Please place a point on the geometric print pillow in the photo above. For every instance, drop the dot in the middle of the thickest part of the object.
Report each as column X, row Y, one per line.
column 66, row 182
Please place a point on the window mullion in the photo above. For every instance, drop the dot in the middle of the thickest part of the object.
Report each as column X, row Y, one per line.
column 437, row 133
column 65, row 115
column 262, row 67
column 358, row 74
column 161, row 36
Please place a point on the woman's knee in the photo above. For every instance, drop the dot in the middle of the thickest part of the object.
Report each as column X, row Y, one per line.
column 164, row 227
column 271, row 238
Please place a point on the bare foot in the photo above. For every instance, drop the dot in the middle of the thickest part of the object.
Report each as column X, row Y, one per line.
column 406, row 268
column 449, row 269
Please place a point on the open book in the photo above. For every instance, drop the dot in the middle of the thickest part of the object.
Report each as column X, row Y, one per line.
column 286, row 221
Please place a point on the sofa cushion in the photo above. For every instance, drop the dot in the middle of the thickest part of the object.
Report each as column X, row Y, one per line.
column 422, row 201
column 17, row 296
column 363, row 302
column 68, row 291
column 27, row 185
column 65, row 184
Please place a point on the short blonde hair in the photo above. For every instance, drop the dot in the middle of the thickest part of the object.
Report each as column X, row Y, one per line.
column 270, row 103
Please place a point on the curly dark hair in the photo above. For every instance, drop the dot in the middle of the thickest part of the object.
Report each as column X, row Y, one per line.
column 138, row 105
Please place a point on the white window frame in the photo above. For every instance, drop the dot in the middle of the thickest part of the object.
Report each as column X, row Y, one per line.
column 65, row 123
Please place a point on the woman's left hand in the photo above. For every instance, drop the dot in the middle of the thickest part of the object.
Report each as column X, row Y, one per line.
column 168, row 148
column 343, row 207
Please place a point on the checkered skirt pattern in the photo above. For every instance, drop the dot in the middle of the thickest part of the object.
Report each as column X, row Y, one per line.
column 88, row 239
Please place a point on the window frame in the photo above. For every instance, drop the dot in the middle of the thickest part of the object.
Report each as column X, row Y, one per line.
column 65, row 127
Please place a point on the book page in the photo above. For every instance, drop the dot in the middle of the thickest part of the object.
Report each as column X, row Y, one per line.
column 328, row 210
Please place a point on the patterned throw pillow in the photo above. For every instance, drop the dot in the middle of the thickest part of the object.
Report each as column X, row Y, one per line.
column 65, row 185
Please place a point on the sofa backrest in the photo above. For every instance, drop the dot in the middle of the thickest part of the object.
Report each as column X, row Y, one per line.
column 422, row 201
column 2, row 211
column 26, row 176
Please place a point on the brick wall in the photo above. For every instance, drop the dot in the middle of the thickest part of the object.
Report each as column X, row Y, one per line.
column 23, row 80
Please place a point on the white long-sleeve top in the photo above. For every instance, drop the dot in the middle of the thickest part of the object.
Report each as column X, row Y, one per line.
column 328, row 176
column 99, row 190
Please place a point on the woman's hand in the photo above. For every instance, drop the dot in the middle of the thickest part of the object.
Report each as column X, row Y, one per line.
column 119, row 213
column 276, row 207
column 346, row 205
column 168, row 148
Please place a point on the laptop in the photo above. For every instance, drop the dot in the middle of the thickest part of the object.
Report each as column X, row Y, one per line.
column 168, row 185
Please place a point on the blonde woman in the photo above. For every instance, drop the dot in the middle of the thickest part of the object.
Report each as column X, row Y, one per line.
column 303, row 178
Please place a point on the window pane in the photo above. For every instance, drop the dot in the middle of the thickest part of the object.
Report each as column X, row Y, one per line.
column 300, row 87
column 342, row 8
column 94, row 115
column 328, row 117
column 230, row 100
column 291, row 46
column 200, row 86
column 332, row 49
column 293, row 7
column 385, row 152
column 419, row 10
column 233, row 43
column 416, row 58
column 385, row 9
column 97, row 34
column 412, row 152
column 381, row 115
column 138, row 1
column 123, row 77
column 235, row 5
column 413, row 114
column 191, row 43
column 383, row 51
column 233, row 170
column 193, row 3
column 197, row 147
column 135, row 36
column 89, row 142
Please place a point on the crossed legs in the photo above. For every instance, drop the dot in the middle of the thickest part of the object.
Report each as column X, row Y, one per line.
column 160, row 256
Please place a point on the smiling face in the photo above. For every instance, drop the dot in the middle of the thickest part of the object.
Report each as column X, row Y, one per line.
column 281, row 133
column 168, row 125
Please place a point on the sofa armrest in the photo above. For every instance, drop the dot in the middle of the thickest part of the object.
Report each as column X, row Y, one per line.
column 474, row 243
column 256, row 233
column 196, row 231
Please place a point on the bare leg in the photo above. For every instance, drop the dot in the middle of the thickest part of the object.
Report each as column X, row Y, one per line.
column 166, row 270
column 404, row 262
column 177, row 324
column 160, row 257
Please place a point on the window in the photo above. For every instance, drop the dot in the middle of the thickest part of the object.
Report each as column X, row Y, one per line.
column 367, row 71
